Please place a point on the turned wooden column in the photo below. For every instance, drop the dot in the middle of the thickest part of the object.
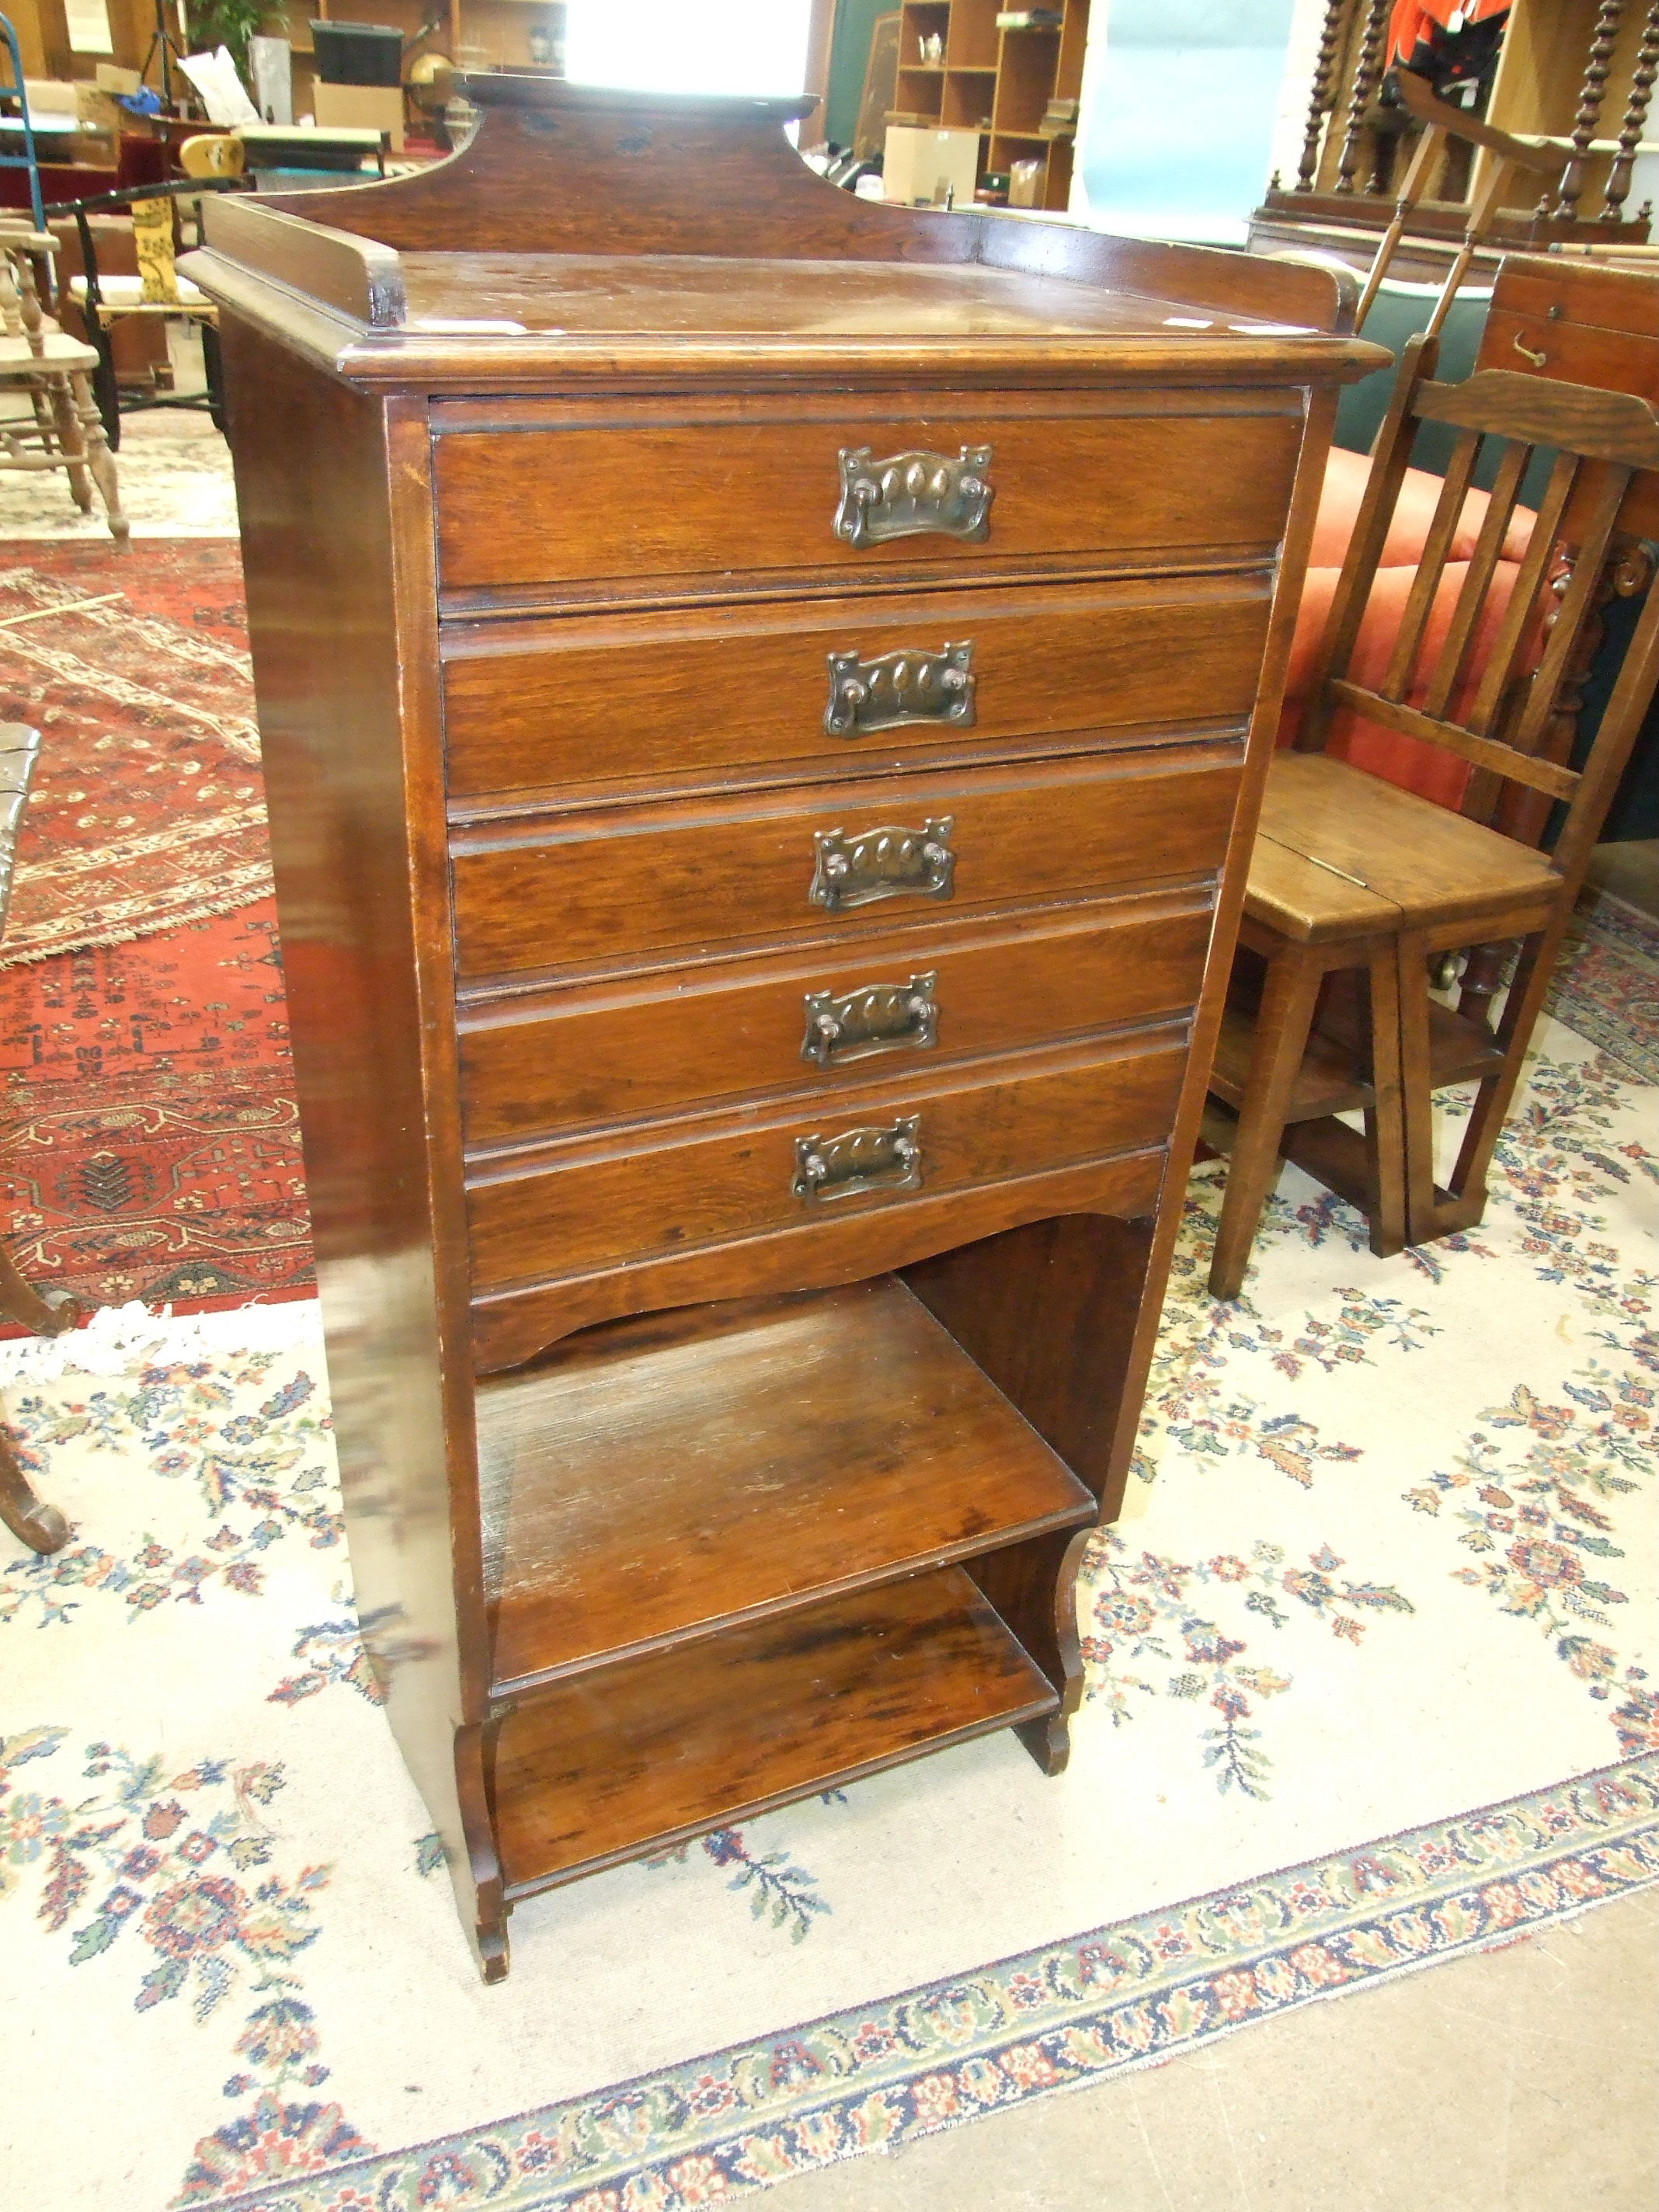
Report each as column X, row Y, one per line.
column 1636, row 114
column 1368, row 71
column 1591, row 96
column 1322, row 98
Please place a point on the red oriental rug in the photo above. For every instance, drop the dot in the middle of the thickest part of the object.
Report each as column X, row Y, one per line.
column 146, row 810
column 150, row 1144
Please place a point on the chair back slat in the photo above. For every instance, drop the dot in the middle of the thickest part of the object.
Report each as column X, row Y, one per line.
column 1447, row 514
column 1511, row 727
column 1520, row 614
column 1449, row 669
column 1577, row 603
column 1600, row 425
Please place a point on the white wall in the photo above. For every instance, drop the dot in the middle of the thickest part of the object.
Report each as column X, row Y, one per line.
column 1186, row 106
column 667, row 45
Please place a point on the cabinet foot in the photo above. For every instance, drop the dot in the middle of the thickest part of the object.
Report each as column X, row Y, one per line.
column 1050, row 1741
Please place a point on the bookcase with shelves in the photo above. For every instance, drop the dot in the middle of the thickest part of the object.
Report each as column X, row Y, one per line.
column 1019, row 87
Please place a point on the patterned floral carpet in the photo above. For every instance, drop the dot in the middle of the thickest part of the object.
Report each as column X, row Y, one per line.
column 1370, row 1684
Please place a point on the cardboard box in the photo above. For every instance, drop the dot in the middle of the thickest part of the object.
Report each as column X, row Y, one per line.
column 360, row 107
column 921, row 165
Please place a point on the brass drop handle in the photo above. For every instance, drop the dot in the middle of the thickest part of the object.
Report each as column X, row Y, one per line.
column 872, row 1018
column 893, row 688
column 888, row 1157
column 911, row 493
column 885, row 863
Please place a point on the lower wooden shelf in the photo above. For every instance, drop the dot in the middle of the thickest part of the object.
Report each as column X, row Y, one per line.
column 659, row 1478
column 631, row 1758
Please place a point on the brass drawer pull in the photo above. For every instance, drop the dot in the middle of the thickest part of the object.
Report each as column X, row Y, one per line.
column 909, row 493
column 873, row 1017
column 896, row 688
column 879, row 864
column 888, row 1158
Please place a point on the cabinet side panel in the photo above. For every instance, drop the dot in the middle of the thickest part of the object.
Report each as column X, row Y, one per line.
column 337, row 539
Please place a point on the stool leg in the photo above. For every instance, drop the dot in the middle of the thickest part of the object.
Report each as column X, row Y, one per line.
column 99, row 459
column 1385, row 1123
column 1288, row 998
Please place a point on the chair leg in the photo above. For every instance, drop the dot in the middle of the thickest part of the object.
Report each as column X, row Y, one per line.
column 99, row 459
column 33, row 1522
column 1497, row 1094
column 48, row 1316
column 1288, row 998
column 1423, row 1222
column 1385, row 1123
column 71, row 443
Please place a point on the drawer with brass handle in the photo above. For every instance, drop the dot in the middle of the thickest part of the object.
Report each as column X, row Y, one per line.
column 685, row 698
column 694, row 502
column 599, row 889
column 569, row 1208
column 591, row 1056
column 859, row 1160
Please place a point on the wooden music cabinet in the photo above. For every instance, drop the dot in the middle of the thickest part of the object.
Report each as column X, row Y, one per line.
column 755, row 689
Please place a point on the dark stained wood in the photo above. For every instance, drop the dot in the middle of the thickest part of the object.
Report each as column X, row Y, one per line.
column 690, row 498
column 581, row 702
column 545, row 835
column 698, row 873
column 614, row 1765
column 328, row 560
column 512, row 1325
column 568, row 1207
column 30, row 1519
column 576, row 1057
column 657, row 1480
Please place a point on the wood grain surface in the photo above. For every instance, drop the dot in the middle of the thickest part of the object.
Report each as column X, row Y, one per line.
column 591, row 889
column 707, row 1180
column 656, row 1478
column 582, row 1057
column 614, row 1764
column 706, row 697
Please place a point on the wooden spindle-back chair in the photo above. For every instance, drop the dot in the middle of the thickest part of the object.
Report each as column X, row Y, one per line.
column 1354, row 874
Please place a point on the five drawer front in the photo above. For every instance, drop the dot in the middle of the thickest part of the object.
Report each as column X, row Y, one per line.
column 699, row 504
column 581, row 699
column 741, row 1176
column 595, row 888
column 584, row 1057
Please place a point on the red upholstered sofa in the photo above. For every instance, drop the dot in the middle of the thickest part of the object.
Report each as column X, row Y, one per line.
column 1423, row 769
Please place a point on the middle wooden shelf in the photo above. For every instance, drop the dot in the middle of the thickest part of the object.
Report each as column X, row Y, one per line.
column 652, row 1480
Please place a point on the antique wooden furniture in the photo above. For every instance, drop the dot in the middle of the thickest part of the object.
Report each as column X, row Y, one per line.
column 1019, row 87
column 40, row 1525
column 755, row 688
column 51, row 375
column 1564, row 70
column 1354, row 878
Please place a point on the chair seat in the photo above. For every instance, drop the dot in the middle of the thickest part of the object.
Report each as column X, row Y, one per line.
column 18, row 358
column 1342, row 854
column 126, row 295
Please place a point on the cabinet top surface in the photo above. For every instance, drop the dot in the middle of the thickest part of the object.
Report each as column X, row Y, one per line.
column 624, row 294
column 588, row 232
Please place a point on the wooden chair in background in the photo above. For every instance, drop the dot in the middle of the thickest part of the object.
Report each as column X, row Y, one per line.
column 1357, row 888
column 41, row 1527
column 52, row 375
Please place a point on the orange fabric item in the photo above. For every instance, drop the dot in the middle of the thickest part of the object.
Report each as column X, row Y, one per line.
column 1413, row 19
column 1416, row 767
column 1346, row 476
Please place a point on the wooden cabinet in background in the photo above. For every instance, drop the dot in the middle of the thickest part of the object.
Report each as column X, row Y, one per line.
column 764, row 699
